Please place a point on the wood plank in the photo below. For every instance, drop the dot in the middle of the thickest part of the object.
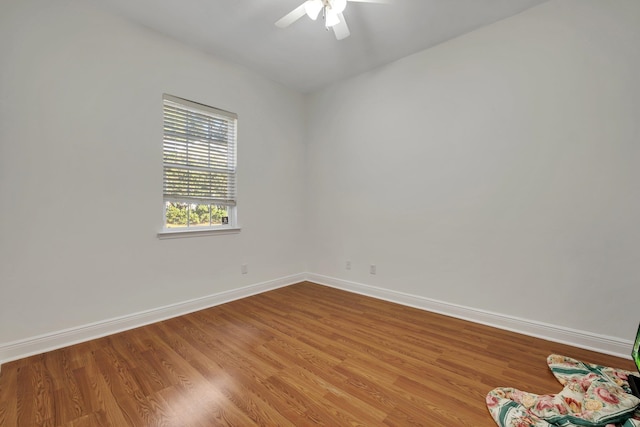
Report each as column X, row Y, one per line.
column 9, row 396
column 296, row 356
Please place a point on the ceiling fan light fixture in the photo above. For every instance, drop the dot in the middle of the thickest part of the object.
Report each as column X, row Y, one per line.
column 338, row 6
column 331, row 13
column 313, row 8
column 331, row 19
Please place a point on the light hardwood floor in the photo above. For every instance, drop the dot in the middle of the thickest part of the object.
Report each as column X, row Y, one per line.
column 297, row 356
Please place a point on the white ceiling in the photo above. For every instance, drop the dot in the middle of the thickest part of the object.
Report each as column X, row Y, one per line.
column 305, row 56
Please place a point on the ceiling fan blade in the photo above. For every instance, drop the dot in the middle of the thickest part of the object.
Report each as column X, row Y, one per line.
column 291, row 17
column 341, row 29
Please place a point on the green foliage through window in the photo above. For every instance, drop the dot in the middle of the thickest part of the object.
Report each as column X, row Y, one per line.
column 187, row 214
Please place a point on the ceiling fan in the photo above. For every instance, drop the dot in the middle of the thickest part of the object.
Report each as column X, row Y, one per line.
column 331, row 13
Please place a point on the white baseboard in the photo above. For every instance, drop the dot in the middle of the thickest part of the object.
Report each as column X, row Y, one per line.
column 576, row 338
column 39, row 344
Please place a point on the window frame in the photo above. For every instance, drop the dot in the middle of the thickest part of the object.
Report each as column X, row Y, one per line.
column 172, row 102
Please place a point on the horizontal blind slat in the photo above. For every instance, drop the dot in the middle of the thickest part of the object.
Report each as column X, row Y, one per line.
column 198, row 153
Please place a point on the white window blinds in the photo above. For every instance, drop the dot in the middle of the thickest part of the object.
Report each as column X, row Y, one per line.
column 199, row 153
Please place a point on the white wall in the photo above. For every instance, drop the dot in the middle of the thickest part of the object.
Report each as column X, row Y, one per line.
column 81, row 171
column 499, row 171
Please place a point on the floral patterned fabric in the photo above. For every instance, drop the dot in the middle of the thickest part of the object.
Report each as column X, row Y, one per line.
column 593, row 395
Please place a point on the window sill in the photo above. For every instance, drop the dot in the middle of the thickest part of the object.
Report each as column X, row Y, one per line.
column 178, row 234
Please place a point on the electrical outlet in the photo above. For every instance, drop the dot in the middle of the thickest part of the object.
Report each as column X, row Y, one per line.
column 372, row 269
column 244, row 268
column 348, row 265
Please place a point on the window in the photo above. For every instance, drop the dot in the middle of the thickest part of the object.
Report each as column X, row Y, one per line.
column 199, row 159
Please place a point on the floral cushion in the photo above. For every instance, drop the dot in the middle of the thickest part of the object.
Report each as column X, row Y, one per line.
column 593, row 395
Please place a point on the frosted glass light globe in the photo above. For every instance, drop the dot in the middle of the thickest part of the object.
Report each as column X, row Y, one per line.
column 313, row 8
column 338, row 6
